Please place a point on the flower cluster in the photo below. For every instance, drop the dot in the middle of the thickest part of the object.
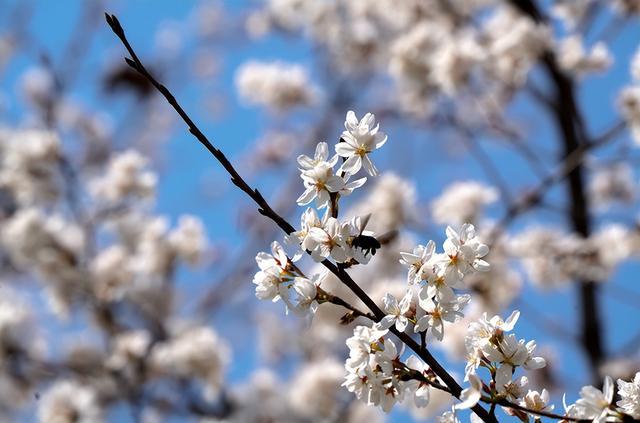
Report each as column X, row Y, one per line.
column 629, row 100
column 490, row 345
column 377, row 375
column 462, row 202
column 29, row 166
column 279, row 86
column 597, row 405
column 438, row 274
column 552, row 258
column 279, row 279
column 323, row 238
column 574, row 58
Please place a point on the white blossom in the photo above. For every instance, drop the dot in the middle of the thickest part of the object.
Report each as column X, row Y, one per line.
column 629, row 393
column 448, row 417
column 360, row 138
column 463, row 252
column 275, row 85
column 396, row 311
column 330, row 240
column 129, row 349
column 439, row 312
column 629, row 104
column 51, row 247
column 593, row 404
column 70, row 402
column 320, row 182
column 315, row 391
column 189, row 239
column 470, row 396
column 462, row 202
column 573, row 57
column 613, row 184
column 112, row 273
column 196, row 352
column 321, row 156
column 415, row 260
column 127, row 176
column 274, row 270
column 30, row 162
column 537, row 401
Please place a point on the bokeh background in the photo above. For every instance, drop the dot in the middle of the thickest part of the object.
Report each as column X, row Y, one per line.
column 64, row 51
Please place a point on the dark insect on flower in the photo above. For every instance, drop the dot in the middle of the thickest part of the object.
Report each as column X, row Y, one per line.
column 366, row 243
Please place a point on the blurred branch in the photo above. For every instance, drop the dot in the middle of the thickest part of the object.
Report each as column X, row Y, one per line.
column 566, row 113
column 80, row 41
column 538, row 319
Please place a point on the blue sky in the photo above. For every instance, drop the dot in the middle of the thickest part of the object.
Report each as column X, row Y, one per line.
column 187, row 171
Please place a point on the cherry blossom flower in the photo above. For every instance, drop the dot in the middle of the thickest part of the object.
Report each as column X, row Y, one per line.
column 537, row 401
column 320, row 182
column 396, row 311
column 593, row 403
column 513, row 389
column 438, row 313
column 321, row 156
column 629, row 393
column 416, row 259
column 463, row 252
column 471, row 395
column 306, row 291
column 70, row 398
column 421, row 390
column 330, row 240
column 275, row 85
column 448, row 417
column 360, row 138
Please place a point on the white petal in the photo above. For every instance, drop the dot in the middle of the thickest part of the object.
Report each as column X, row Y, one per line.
column 307, row 196
column 387, row 321
column 510, row 323
column 468, row 398
column 355, row 184
column 402, row 323
column 422, row 324
column 351, row 122
column 369, row 166
column 381, row 139
column 345, row 149
column 607, row 390
column 334, row 183
column 352, row 165
column 322, row 151
column 305, row 162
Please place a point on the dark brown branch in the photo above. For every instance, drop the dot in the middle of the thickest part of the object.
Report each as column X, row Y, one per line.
column 566, row 114
column 416, row 375
column 508, row 404
column 267, row 211
column 324, row 296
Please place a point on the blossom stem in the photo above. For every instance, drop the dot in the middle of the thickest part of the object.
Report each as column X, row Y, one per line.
column 416, row 375
column 324, row 296
column 508, row 404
